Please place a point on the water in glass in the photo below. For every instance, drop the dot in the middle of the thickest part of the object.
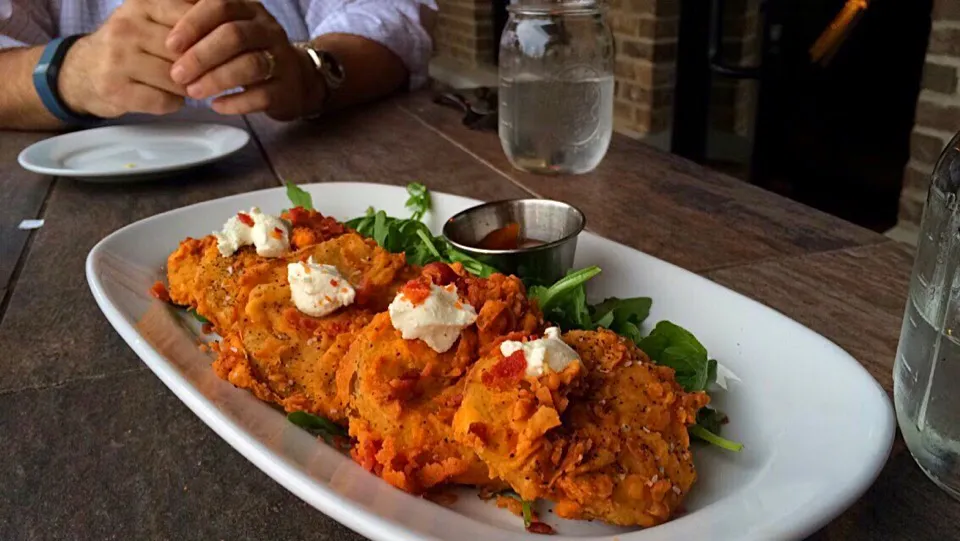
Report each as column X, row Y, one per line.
column 553, row 125
column 927, row 366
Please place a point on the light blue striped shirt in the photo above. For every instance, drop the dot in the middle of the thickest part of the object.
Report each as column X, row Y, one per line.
column 397, row 24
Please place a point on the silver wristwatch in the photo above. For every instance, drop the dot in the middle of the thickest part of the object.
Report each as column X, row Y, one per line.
column 327, row 65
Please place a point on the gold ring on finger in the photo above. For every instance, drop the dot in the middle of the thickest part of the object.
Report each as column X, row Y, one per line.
column 271, row 64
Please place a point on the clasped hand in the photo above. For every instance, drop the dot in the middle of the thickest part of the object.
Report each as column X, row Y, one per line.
column 152, row 54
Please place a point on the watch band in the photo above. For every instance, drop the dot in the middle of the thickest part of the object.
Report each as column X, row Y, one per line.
column 46, row 76
column 329, row 68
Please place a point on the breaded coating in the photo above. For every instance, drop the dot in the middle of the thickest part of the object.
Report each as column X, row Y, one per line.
column 289, row 358
column 628, row 460
column 201, row 278
column 403, row 394
column 506, row 416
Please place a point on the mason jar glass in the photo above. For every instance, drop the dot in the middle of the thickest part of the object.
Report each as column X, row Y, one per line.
column 927, row 367
column 556, row 86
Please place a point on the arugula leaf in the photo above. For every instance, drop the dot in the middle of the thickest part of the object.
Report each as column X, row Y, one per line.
column 702, row 433
column 473, row 266
column 526, row 506
column 527, row 509
column 318, row 426
column 711, row 419
column 299, row 197
column 413, row 237
column 380, row 229
column 602, row 313
column 613, row 313
column 197, row 316
column 565, row 303
column 419, row 201
column 622, row 316
column 709, row 423
column 667, row 334
column 563, row 289
column 711, row 371
column 672, row 345
column 630, row 330
column 578, row 313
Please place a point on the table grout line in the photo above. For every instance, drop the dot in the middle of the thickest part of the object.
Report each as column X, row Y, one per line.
column 883, row 241
column 473, row 155
column 11, row 286
column 69, row 381
column 263, row 150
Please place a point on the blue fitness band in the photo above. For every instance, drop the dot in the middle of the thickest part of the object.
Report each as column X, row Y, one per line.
column 45, row 81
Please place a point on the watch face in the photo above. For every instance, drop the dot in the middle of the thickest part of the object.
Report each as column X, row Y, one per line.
column 332, row 67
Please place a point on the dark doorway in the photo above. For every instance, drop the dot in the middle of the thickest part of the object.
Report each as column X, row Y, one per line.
column 837, row 137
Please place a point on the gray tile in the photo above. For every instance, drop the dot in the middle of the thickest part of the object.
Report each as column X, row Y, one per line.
column 119, row 457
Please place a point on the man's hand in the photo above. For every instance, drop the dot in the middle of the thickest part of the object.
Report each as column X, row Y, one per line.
column 226, row 44
column 124, row 67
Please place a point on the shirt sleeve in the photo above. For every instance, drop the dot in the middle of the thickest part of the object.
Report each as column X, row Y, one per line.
column 399, row 25
column 25, row 22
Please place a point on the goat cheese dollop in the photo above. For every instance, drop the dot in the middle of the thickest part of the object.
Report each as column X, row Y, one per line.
column 549, row 351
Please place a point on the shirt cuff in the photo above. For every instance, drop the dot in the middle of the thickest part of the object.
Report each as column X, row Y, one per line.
column 391, row 28
column 6, row 42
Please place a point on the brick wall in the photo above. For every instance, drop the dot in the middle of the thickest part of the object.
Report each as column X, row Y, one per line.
column 938, row 109
column 464, row 31
column 645, row 32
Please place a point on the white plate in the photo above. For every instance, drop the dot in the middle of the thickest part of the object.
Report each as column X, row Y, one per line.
column 817, row 426
column 132, row 150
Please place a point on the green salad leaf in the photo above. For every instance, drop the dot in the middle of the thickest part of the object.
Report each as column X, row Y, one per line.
column 702, row 433
column 671, row 345
column 318, row 426
column 711, row 419
column 299, row 197
column 419, row 201
column 526, row 506
column 709, row 423
column 614, row 313
column 565, row 291
column 413, row 237
column 197, row 316
column 565, row 303
column 473, row 266
column 527, row 509
column 622, row 316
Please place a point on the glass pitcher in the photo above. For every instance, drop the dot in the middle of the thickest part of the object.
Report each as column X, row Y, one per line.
column 926, row 372
column 556, row 86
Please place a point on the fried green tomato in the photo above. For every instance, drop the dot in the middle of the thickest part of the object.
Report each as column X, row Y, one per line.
column 289, row 358
column 507, row 417
column 403, row 395
column 628, row 459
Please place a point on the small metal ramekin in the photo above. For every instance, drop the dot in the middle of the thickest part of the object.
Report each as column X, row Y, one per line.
column 555, row 223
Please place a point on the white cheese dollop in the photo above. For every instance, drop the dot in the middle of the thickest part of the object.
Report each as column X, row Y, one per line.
column 437, row 321
column 268, row 234
column 549, row 351
column 318, row 290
